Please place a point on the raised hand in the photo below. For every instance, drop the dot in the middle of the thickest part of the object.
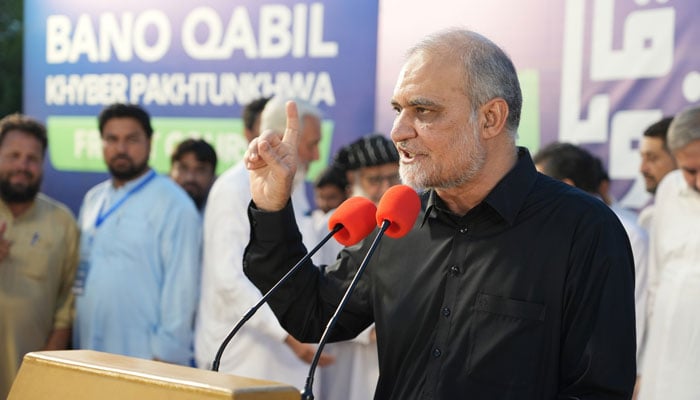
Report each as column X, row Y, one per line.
column 306, row 352
column 271, row 160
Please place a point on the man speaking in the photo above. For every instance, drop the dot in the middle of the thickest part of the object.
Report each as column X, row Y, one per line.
column 511, row 285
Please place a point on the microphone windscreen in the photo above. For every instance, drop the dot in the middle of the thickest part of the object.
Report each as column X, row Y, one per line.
column 400, row 206
column 356, row 215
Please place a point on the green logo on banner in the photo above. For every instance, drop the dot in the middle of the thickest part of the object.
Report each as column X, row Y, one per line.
column 529, row 129
column 75, row 145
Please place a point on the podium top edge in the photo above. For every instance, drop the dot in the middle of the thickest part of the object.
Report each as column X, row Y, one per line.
column 150, row 370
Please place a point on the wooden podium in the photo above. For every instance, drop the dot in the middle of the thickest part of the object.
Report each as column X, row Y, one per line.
column 90, row 375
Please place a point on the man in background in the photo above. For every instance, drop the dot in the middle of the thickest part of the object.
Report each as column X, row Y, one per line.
column 138, row 279
column 251, row 117
column 670, row 364
column 193, row 167
column 262, row 348
column 577, row 167
column 38, row 251
column 509, row 285
column 330, row 189
column 372, row 164
column 657, row 161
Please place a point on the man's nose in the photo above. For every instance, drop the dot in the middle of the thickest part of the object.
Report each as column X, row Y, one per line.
column 644, row 167
column 121, row 146
column 402, row 128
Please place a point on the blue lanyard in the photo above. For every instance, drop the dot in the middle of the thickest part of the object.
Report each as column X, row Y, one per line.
column 101, row 217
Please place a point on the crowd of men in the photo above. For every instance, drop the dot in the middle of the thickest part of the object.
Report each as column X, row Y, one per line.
column 510, row 285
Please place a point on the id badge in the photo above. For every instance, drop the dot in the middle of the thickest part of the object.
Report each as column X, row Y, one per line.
column 80, row 277
column 84, row 264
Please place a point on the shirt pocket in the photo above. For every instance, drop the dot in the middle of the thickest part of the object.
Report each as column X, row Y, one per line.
column 33, row 258
column 507, row 339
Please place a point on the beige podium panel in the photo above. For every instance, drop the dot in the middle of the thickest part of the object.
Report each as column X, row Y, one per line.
column 92, row 375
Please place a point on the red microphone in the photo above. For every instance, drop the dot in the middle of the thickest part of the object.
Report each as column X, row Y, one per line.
column 351, row 222
column 399, row 206
column 396, row 214
column 355, row 216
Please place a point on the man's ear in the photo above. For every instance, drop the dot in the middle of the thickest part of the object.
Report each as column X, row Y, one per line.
column 492, row 117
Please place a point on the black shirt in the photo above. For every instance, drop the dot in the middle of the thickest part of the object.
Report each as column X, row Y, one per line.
column 527, row 296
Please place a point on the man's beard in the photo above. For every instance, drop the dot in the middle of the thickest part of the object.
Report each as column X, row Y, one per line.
column 18, row 193
column 196, row 193
column 128, row 173
column 459, row 168
column 358, row 190
column 650, row 186
column 198, row 200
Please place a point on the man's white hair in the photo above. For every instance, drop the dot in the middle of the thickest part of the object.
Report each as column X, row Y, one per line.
column 685, row 128
column 274, row 115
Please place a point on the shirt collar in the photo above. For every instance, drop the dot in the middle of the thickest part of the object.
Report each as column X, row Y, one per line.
column 130, row 184
column 5, row 208
column 509, row 194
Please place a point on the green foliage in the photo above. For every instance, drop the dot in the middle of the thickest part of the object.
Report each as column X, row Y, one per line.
column 11, row 29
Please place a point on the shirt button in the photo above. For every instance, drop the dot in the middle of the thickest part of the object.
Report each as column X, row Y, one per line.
column 436, row 352
column 454, row 270
column 446, row 312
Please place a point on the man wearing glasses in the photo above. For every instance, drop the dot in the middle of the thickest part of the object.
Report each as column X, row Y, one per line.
column 372, row 163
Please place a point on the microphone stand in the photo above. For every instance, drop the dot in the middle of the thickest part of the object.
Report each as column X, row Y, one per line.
column 263, row 300
column 307, row 393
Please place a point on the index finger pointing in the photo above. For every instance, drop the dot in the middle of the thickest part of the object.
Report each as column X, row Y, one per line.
column 291, row 132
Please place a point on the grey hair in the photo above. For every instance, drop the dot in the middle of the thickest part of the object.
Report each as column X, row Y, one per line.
column 274, row 115
column 685, row 128
column 488, row 71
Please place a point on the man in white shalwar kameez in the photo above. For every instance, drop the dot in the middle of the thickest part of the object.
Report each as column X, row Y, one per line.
column 262, row 348
column 671, row 357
